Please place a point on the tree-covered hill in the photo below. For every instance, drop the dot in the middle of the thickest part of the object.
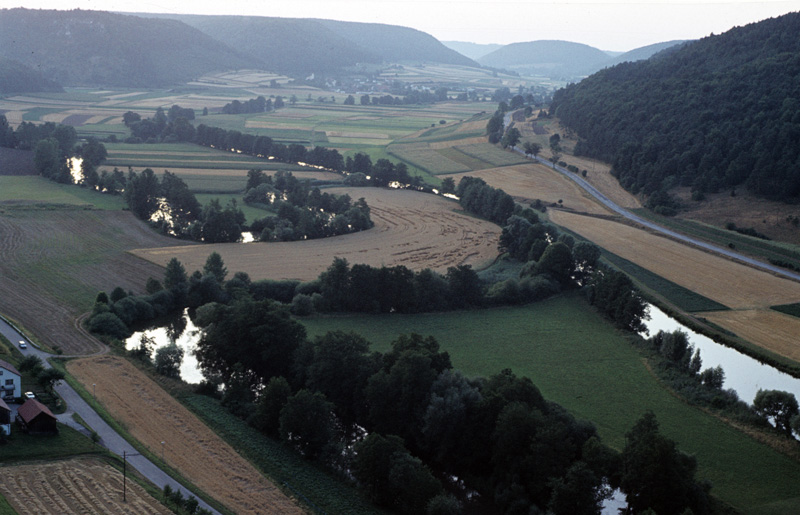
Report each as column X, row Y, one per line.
column 99, row 48
column 715, row 113
column 15, row 77
column 549, row 58
column 300, row 46
column 645, row 52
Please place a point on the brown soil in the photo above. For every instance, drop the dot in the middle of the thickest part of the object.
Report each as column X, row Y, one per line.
column 413, row 229
column 73, row 486
column 152, row 416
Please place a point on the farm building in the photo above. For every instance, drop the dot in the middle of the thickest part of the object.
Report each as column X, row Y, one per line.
column 10, row 381
column 5, row 418
column 36, row 418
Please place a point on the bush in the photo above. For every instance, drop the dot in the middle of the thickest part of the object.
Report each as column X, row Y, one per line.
column 108, row 324
column 302, row 305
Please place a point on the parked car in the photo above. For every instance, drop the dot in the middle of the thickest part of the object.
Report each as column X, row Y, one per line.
column 23, row 345
column 30, row 395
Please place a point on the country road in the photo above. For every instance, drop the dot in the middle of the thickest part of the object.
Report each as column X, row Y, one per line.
column 109, row 438
column 580, row 181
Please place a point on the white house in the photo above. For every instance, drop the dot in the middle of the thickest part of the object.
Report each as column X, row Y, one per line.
column 5, row 418
column 10, row 381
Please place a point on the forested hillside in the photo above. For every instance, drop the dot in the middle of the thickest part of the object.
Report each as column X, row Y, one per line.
column 716, row 113
column 15, row 77
column 99, row 48
column 301, row 46
column 550, row 58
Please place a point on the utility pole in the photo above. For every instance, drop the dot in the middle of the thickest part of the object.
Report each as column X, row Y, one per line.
column 125, row 474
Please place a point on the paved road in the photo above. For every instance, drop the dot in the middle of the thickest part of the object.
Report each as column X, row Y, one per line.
column 580, row 181
column 109, row 438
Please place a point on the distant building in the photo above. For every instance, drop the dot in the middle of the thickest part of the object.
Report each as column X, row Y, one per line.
column 5, row 418
column 10, row 381
column 36, row 418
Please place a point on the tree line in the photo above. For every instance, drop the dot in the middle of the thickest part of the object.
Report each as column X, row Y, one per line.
column 713, row 114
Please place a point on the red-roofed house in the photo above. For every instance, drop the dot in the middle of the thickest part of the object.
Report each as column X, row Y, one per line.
column 10, row 381
column 36, row 418
column 5, row 418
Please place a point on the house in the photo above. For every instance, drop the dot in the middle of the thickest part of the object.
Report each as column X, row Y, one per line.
column 5, row 418
column 10, row 381
column 36, row 418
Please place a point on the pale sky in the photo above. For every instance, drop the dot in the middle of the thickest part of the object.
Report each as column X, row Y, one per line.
column 618, row 25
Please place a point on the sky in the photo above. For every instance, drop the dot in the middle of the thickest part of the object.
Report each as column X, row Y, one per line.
column 617, row 25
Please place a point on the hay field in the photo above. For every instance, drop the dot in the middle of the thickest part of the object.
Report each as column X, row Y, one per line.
column 74, row 486
column 413, row 229
column 151, row 416
column 748, row 291
column 528, row 182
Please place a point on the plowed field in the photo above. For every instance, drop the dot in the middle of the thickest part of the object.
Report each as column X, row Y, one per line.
column 76, row 486
column 413, row 229
column 152, row 416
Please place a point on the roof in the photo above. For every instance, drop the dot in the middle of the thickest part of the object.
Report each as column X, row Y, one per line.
column 8, row 366
column 32, row 409
column 3, row 405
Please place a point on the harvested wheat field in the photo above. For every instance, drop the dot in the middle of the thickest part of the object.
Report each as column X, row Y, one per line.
column 528, row 182
column 76, row 486
column 152, row 416
column 413, row 229
column 750, row 292
column 775, row 331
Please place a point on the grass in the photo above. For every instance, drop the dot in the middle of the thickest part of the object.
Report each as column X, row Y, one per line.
column 68, row 442
column 41, row 191
column 317, row 488
column 789, row 309
column 683, row 298
column 5, row 508
column 592, row 370
column 251, row 213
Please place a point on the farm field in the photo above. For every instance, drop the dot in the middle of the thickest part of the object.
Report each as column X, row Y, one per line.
column 592, row 370
column 57, row 257
column 747, row 291
column 413, row 229
column 78, row 485
column 152, row 416
column 529, row 182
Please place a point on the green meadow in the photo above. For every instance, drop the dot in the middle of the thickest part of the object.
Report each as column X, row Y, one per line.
column 594, row 371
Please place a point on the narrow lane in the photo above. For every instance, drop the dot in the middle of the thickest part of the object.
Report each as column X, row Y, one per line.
column 580, row 181
column 109, row 438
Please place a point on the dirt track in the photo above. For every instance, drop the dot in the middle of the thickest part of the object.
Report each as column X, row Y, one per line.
column 152, row 416
column 413, row 229
column 76, row 486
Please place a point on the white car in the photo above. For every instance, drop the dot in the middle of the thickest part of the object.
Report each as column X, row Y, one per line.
column 23, row 345
column 30, row 395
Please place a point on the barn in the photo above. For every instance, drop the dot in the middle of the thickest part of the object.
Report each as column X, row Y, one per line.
column 36, row 418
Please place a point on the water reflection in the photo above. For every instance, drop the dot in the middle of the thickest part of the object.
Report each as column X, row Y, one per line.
column 182, row 332
column 743, row 374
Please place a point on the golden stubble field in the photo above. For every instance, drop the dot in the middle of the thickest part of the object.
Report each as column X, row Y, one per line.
column 747, row 291
column 152, row 416
column 412, row 229
column 75, row 486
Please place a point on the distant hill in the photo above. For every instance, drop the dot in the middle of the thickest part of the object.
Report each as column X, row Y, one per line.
column 300, row 46
column 641, row 53
column 15, row 77
column 715, row 113
column 472, row 50
column 99, row 48
column 549, row 58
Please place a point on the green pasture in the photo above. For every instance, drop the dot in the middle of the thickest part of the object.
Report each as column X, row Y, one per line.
column 47, row 194
column 597, row 374
column 68, row 442
column 492, row 154
column 427, row 159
